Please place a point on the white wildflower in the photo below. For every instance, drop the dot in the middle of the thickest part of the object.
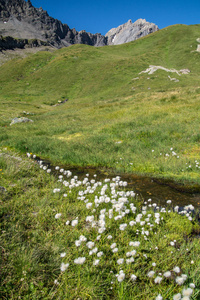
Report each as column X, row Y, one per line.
column 179, row 280
column 57, row 216
column 99, row 254
column 90, row 245
column 176, row 269
column 64, row 266
column 121, row 277
column 74, row 222
column 150, row 274
column 82, row 238
column 96, row 262
column 167, row 274
column 159, row 297
column 120, row 261
column 133, row 277
column 62, row 254
column 77, row 243
column 79, row 260
column 109, row 237
column 187, row 292
column 177, row 297
column 158, row 279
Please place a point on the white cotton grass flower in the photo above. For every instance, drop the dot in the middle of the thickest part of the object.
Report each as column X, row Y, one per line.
column 177, row 296
column 121, row 276
column 134, row 244
column 56, row 282
column 64, row 267
column 113, row 245
column 120, row 261
column 90, row 245
column 77, row 243
column 158, row 279
column 115, row 250
column 109, row 237
column 192, row 285
column 133, row 277
column 74, row 222
column 176, row 269
column 153, row 264
column 150, row 274
column 96, row 262
column 180, row 280
column 79, row 260
column 159, row 297
column 167, row 274
column 57, row 216
column 67, row 222
column 123, row 226
column 63, row 254
column 82, row 238
column 187, row 292
column 99, row 254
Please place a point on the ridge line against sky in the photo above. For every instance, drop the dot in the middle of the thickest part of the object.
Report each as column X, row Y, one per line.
column 99, row 16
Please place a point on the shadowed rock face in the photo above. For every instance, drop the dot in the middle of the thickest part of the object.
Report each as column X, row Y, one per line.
column 129, row 32
column 20, row 19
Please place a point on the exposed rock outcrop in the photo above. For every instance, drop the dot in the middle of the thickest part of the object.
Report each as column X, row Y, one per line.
column 10, row 43
column 20, row 120
column 21, row 20
column 129, row 32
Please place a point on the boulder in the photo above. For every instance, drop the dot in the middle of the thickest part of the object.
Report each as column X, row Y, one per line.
column 20, row 120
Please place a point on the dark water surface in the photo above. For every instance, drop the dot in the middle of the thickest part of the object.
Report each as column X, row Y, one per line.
column 146, row 187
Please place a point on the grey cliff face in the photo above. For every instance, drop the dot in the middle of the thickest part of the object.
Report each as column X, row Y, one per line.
column 129, row 32
column 21, row 20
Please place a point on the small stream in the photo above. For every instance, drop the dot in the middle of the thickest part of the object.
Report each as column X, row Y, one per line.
column 146, row 187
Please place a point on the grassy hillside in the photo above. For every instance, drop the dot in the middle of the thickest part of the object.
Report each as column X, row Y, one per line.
column 115, row 117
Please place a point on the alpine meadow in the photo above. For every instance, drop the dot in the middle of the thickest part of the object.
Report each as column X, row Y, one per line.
column 125, row 109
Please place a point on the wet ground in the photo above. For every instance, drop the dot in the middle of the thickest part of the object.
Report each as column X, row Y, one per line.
column 146, row 187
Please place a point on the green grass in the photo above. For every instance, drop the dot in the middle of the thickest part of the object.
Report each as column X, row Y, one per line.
column 110, row 120
column 32, row 240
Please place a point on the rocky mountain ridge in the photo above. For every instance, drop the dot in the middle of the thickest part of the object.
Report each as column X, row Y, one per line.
column 21, row 20
column 129, row 32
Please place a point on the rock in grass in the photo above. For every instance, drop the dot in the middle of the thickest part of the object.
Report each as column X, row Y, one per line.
column 20, row 120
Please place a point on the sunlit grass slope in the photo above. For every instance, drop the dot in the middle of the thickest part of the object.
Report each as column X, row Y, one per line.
column 115, row 116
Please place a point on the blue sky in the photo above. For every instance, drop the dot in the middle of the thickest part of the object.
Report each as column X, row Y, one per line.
column 102, row 15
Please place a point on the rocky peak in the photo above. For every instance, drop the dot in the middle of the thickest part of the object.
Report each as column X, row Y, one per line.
column 129, row 31
column 20, row 19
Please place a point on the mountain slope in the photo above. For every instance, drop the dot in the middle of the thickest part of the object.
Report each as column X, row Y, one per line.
column 20, row 19
column 80, row 70
column 115, row 114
